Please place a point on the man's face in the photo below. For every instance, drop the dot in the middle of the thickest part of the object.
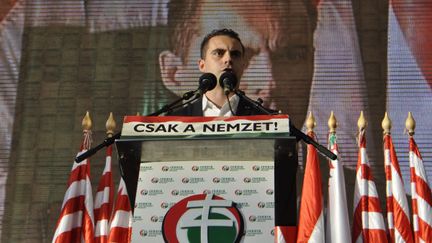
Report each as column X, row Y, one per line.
column 222, row 53
column 278, row 60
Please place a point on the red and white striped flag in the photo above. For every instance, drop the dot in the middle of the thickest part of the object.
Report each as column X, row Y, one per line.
column 76, row 221
column 104, row 201
column 338, row 227
column 311, row 219
column 121, row 223
column 368, row 222
column 397, row 204
column 421, row 196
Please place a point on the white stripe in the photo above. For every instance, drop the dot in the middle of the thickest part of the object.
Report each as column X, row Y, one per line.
column 363, row 188
column 89, row 201
column 398, row 190
column 390, row 220
column 424, row 211
column 76, row 188
column 415, row 222
column 364, row 157
column 68, row 222
column 84, row 162
column 107, row 165
column 317, row 234
column 279, row 236
column 122, row 187
column 387, row 157
column 389, row 191
column 338, row 227
column 373, row 220
column 101, row 228
column 418, row 166
column 413, row 191
column 122, row 219
column 102, row 197
column 398, row 237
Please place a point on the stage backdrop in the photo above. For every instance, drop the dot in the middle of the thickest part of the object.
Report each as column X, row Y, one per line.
column 59, row 59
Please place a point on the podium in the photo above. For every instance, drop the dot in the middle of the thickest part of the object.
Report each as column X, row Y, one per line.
column 201, row 179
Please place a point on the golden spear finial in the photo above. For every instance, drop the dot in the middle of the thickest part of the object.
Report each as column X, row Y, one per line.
column 332, row 123
column 410, row 124
column 310, row 122
column 362, row 123
column 110, row 125
column 386, row 124
column 86, row 122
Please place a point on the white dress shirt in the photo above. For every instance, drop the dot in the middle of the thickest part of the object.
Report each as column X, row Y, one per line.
column 210, row 109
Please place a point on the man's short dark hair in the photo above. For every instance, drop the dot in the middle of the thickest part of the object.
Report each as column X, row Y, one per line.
column 219, row 32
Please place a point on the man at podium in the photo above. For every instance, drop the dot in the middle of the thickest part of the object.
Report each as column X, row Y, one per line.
column 222, row 54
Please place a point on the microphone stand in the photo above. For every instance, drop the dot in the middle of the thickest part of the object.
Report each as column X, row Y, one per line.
column 296, row 132
column 110, row 140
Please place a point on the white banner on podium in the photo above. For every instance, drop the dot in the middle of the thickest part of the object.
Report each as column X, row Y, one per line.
column 218, row 201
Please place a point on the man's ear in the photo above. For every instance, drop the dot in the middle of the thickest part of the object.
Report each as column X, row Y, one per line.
column 169, row 63
column 201, row 65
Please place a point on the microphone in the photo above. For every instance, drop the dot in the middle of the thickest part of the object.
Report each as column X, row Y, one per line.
column 207, row 82
column 228, row 81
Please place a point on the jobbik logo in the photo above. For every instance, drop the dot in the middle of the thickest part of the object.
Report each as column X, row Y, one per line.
column 203, row 218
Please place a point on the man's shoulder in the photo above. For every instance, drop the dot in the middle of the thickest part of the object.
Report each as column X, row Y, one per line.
column 192, row 109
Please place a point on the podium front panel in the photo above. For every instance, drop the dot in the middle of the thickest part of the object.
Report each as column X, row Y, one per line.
column 238, row 171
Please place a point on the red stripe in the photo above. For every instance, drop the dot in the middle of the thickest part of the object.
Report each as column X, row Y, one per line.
column 120, row 235
column 122, row 203
column 101, row 239
column 311, row 205
column 393, row 156
column 88, row 228
column 104, row 212
column 414, row 148
column 105, row 181
column 362, row 140
column 425, row 231
column 153, row 119
column 71, row 206
column 374, row 235
column 366, row 172
column 79, row 173
column 368, row 204
column 423, row 190
column 72, row 236
column 413, row 175
column 357, row 224
column 402, row 223
column 289, row 233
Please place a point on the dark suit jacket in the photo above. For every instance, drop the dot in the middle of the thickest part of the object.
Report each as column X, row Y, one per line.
column 195, row 109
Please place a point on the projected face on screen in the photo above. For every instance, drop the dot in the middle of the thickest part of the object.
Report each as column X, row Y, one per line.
column 277, row 37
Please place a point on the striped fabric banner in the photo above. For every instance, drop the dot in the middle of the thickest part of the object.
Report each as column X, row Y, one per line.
column 338, row 227
column 311, row 216
column 104, row 201
column 121, row 223
column 368, row 222
column 76, row 220
column 421, row 195
column 397, row 204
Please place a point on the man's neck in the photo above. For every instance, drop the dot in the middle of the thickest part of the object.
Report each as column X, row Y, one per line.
column 218, row 97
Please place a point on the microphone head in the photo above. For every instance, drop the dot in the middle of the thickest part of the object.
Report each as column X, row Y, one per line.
column 207, row 82
column 228, row 81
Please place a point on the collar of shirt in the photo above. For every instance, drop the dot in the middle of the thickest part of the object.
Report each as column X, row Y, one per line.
column 210, row 109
